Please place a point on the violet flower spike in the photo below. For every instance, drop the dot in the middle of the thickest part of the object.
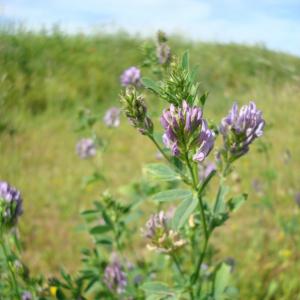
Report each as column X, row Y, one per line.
column 131, row 76
column 241, row 127
column 181, row 125
column 112, row 117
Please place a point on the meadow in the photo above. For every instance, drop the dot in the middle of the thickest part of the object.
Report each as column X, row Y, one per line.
column 45, row 79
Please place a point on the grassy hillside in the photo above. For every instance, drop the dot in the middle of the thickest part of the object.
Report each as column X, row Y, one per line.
column 45, row 79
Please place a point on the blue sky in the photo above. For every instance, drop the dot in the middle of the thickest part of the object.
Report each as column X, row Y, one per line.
column 274, row 23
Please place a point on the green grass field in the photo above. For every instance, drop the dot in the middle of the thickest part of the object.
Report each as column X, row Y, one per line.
column 45, row 79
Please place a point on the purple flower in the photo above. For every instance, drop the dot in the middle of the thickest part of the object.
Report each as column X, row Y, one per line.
column 161, row 237
column 241, row 127
column 26, row 295
column 131, row 76
column 185, row 129
column 112, row 117
column 86, row 148
column 114, row 278
column 206, row 142
column 163, row 53
column 10, row 204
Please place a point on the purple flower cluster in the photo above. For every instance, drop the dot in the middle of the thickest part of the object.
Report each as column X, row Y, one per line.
column 112, row 117
column 185, row 129
column 86, row 148
column 241, row 127
column 131, row 76
column 114, row 278
column 161, row 238
column 10, row 204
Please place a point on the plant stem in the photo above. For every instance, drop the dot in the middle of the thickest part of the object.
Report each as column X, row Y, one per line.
column 177, row 264
column 184, row 178
column 191, row 170
column 7, row 260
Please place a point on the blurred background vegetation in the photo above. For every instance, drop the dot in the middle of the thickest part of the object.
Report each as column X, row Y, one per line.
column 46, row 78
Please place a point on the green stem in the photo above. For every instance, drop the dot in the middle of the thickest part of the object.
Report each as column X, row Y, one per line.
column 184, row 178
column 7, row 260
column 177, row 264
column 191, row 170
column 200, row 261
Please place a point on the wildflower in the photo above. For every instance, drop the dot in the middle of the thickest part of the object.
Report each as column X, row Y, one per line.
column 161, row 238
column 163, row 53
column 112, row 117
column 114, row 277
column 136, row 111
column 10, row 204
column 26, row 295
column 86, row 148
column 53, row 291
column 241, row 127
column 131, row 76
column 185, row 129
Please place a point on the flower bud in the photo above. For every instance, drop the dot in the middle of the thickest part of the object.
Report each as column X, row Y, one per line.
column 136, row 111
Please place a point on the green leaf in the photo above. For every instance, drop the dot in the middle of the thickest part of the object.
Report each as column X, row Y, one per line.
column 161, row 172
column 100, row 229
column 183, row 212
column 203, row 98
column 185, row 61
column 221, row 281
column 236, row 202
column 220, row 200
column 157, row 288
column 151, row 85
column 171, row 195
column 104, row 241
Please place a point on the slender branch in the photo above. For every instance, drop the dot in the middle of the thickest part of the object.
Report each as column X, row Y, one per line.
column 11, row 271
column 177, row 264
column 184, row 178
